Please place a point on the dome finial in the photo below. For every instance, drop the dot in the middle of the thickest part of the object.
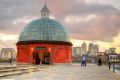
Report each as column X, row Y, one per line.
column 45, row 11
column 45, row 2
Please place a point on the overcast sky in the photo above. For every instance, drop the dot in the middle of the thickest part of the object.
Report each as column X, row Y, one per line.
column 84, row 19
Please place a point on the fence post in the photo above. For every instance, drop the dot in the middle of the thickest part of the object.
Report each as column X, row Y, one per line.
column 109, row 65
column 113, row 67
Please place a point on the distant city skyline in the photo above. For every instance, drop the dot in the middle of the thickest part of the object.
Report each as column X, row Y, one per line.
column 90, row 49
column 87, row 21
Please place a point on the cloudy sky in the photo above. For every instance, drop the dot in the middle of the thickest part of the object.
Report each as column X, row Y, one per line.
column 95, row 21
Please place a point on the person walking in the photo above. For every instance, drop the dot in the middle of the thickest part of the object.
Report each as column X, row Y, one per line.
column 10, row 61
column 99, row 62
column 83, row 61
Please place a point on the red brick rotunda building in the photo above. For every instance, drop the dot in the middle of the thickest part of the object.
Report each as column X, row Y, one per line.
column 44, row 41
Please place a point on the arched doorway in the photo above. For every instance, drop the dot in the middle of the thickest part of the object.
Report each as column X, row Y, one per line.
column 46, row 58
column 36, row 58
column 42, row 58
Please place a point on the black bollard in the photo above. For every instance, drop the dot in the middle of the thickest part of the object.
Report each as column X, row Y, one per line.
column 113, row 67
column 109, row 65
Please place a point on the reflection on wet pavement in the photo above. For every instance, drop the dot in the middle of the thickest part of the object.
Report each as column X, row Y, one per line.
column 67, row 72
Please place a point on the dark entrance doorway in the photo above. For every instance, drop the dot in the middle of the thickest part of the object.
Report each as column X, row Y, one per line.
column 46, row 58
column 42, row 58
column 36, row 58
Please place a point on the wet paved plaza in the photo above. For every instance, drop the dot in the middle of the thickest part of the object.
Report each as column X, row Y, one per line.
column 67, row 72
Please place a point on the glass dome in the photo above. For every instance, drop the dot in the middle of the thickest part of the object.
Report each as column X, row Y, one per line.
column 43, row 29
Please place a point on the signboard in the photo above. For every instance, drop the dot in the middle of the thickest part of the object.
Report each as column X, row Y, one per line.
column 40, row 48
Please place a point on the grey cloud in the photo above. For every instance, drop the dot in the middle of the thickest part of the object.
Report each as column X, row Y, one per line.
column 106, row 21
column 104, row 26
column 11, row 10
column 66, row 7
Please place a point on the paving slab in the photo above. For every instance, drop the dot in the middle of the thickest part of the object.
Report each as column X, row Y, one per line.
column 68, row 72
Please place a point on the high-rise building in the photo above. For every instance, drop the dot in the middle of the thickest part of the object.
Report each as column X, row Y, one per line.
column 8, row 53
column 112, row 50
column 107, row 51
column 74, row 51
column 77, row 51
column 90, row 49
column 96, row 49
column 93, row 49
column 84, row 48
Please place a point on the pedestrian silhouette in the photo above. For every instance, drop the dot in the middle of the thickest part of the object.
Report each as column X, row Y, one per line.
column 83, row 61
column 99, row 62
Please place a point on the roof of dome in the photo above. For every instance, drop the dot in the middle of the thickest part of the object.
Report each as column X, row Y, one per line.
column 43, row 29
